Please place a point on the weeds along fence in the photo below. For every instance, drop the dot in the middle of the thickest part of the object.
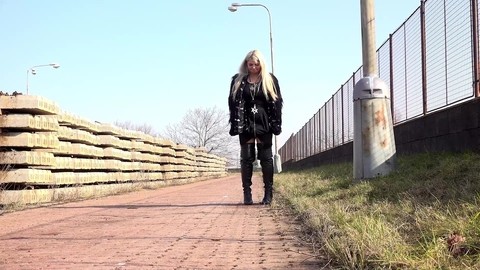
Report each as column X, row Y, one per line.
column 48, row 154
column 430, row 62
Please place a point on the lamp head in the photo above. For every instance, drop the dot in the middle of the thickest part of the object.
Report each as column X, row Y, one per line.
column 232, row 8
column 33, row 71
column 55, row 65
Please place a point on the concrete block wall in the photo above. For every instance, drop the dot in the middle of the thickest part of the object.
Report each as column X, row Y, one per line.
column 48, row 154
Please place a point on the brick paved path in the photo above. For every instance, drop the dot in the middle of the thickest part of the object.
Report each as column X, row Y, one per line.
column 201, row 225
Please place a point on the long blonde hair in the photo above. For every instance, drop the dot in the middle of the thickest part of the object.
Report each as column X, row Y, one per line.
column 268, row 86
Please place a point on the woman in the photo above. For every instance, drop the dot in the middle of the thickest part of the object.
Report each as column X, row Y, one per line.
column 255, row 104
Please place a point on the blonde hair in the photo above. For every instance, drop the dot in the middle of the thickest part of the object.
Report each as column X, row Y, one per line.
column 268, row 86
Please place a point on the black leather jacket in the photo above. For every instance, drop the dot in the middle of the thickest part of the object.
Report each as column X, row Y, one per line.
column 238, row 120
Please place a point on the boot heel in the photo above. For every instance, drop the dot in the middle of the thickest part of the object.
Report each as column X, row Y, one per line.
column 267, row 199
column 247, row 198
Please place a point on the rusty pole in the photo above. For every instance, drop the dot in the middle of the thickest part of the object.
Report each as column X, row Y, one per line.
column 374, row 142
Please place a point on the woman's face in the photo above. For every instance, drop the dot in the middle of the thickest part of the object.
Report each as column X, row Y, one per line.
column 253, row 67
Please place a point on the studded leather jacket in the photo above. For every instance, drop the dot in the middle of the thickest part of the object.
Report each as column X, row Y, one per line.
column 239, row 122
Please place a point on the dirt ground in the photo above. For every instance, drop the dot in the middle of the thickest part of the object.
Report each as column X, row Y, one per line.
column 201, row 225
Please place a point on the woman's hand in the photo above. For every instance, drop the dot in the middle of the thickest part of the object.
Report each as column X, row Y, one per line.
column 276, row 127
column 233, row 131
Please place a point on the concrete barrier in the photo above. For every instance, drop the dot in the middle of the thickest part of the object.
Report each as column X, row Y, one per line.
column 46, row 152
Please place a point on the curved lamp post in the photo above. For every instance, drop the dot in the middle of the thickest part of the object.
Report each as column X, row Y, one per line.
column 234, row 7
column 33, row 71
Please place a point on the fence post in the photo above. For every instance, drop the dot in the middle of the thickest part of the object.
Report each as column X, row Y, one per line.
column 343, row 115
column 314, row 129
column 333, row 121
column 474, row 10
column 294, row 147
column 310, row 141
column 392, row 97
column 424, row 55
column 326, row 126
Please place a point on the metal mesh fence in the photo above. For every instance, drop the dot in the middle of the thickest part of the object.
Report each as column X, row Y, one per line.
column 428, row 63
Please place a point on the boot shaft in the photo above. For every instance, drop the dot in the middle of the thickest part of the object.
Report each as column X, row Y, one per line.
column 266, row 161
column 247, row 155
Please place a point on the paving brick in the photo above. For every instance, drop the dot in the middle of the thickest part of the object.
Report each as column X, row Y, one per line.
column 201, row 225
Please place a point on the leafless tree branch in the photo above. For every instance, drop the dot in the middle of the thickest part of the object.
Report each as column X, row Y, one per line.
column 206, row 127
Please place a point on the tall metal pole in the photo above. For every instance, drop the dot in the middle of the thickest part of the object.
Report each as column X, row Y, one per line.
column 368, row 38
column 271, row 58
column 271, row 38
column 233, row 8
column 373, row 140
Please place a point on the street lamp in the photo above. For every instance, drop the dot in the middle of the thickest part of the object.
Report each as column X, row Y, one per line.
column 234, row 7
column 33, row 71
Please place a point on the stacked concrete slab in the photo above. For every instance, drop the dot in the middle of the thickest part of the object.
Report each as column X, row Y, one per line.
column 48, row 154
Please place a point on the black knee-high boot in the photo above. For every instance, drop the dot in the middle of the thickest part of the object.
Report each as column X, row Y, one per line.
column 247, row 157
column 266, row 161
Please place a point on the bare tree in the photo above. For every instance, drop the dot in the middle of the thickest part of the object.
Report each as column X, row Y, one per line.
column 145, row 128
column 206, row 127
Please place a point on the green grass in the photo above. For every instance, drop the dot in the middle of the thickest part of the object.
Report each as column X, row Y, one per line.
column 424, row 215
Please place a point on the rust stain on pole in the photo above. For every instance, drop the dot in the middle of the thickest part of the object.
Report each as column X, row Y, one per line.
column 380, row 118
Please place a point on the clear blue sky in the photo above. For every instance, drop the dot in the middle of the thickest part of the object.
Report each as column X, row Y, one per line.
column 150, row 61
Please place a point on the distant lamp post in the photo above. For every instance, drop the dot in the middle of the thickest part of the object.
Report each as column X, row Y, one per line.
column 234, row 7
column 34, row 71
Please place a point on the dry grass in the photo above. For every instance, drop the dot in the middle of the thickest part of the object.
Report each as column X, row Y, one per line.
column 425, row 215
